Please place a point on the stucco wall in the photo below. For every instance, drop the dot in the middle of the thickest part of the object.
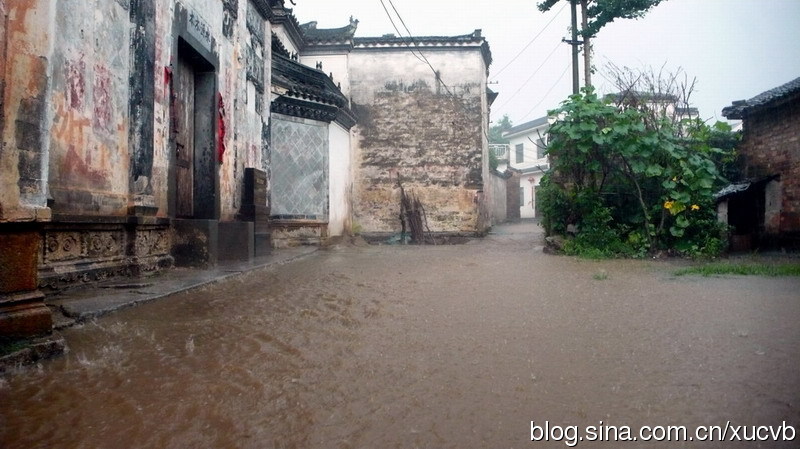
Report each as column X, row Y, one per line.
column 25, row 116
column 528, row 183
column 333, row 64
column 428, row 134
column 530, row 149
column 89, row 159
column 340, row 178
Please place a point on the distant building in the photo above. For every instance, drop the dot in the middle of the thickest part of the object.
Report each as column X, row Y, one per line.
column 526, row 157
column 664, row 105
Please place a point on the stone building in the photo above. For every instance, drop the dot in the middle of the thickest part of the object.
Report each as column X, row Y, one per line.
column 142, row 134
column 422, row 108
column 764, row 206
column 136, row 135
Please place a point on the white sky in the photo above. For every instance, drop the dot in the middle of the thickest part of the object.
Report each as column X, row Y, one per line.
column 735, row 48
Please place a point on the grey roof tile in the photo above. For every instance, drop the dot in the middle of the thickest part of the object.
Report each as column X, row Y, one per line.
column 739, row 109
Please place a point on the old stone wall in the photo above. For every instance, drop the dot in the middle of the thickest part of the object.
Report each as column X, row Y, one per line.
column 432, row 144
column 423, row 128
column 771, row 146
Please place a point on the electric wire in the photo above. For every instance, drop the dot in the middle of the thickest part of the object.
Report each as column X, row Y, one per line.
column 399, row 34
column 494, row 77
column 548, row 91
column 416, row 45
column 514, row 95
column 424, row 58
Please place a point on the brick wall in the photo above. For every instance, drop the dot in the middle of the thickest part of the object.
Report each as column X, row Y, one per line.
column 771, row 146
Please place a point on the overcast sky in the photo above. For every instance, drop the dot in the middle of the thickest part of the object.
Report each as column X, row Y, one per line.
column 735, row 48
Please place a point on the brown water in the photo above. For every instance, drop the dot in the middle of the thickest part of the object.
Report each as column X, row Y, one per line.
column 431, row 347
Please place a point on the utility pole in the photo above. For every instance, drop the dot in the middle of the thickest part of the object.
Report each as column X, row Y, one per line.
column 574, row 42
column 587, row 47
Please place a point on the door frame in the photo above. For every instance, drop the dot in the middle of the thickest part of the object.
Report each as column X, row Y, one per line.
column 194, row 42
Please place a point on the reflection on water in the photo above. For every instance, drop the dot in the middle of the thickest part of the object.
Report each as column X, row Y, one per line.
column 220, row 367
column 457, row 346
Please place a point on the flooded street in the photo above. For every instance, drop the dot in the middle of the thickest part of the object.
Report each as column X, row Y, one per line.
column 457, row 346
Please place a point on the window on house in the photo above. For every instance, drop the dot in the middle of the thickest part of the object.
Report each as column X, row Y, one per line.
column 520, row 153
column 521, row 196
column 540, row 148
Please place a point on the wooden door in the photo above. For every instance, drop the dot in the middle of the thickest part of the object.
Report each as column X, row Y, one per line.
column 184, row 85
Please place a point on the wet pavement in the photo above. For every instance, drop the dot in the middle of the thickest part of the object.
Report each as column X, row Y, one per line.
column 457, row 346
column 76, row 305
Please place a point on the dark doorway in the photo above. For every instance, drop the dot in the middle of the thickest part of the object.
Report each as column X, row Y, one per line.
column 196, row 182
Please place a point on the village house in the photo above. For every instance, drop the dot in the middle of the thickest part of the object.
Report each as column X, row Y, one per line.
column 528, row 161
column 129, row 130
column 764, row 206
column 143, row 134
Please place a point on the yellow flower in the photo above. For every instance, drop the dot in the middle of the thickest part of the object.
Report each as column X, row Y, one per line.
column 695, row 207
column 668, row 204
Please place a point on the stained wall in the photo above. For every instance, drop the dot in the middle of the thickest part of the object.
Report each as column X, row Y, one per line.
column 424, row 129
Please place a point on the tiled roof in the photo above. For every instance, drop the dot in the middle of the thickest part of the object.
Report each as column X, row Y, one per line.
column 428, row 41
column 474, row 37
column 527, row 126
column 305, row 83
column 328, row 35
column 739, row 109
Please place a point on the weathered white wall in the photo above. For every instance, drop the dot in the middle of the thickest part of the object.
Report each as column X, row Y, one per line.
column 528, row 182
column 285, row 37
column 244, row 125
column 89, row 100
column 26, row 119
column 464, row 72
column 429, row 134
column 336, row 64
column 530, row 150
column 341, row 183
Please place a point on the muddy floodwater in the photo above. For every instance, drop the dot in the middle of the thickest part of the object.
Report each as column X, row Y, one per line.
column 457, row 346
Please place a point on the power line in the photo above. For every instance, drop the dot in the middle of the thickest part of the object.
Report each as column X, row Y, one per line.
column 424, row 58
column 529, row 43
column 548, row 91
column 399, row 34
column 416, row 45
column 512, row 96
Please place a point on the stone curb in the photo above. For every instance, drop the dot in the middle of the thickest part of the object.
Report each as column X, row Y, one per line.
column 83, row 305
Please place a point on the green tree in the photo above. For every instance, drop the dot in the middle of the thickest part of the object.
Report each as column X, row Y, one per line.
column 598, row 13
column 496, row 130
column 629, row 187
